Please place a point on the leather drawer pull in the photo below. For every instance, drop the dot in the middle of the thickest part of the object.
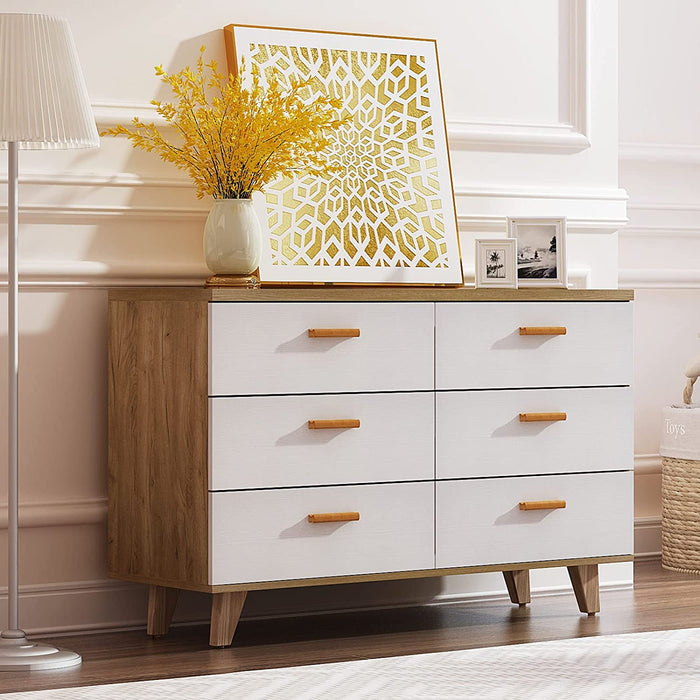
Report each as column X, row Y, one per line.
column 333, row 517
column 541, row 505
column 542, row 330
column 333, row 424
column 334, row 332
column 541, row 417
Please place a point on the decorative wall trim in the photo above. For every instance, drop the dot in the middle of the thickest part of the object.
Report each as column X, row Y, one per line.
column 659, row 278
column 67, row 213
column 677, row 153
column 465, row 189
column 651, row 231
column 91, row 511
column 613, row 194
column 570, row 135
column 660, row 206
column 497, row 224
column 93, row 275
column 84, row 273
column 112, row 113
column 647, row 464
column 514, row 137
column 77, row 179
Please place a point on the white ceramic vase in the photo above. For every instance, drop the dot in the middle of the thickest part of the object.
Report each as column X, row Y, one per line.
column 232, row 237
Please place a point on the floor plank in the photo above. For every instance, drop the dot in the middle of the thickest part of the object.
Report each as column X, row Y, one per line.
column 660, row 600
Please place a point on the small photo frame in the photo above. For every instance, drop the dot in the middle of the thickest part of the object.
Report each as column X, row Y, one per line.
column 495, row 263
column 541, row 251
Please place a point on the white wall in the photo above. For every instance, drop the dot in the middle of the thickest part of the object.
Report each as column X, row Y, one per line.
column 530, row 96
column 660, row 247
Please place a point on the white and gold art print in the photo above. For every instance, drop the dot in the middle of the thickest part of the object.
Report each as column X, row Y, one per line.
column 387, row 213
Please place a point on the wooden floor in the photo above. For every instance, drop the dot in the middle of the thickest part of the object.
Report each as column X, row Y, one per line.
column 660, row 600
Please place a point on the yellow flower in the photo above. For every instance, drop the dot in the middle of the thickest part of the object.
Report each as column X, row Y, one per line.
column 235, row 135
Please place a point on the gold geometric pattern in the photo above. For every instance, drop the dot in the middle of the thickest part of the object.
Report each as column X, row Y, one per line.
column 383, row 207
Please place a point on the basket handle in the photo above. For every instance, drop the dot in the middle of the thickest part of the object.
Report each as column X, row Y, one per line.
column 688, row 391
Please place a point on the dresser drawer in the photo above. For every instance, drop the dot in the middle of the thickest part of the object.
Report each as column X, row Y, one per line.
column 266, row 535
column 266, row 441
column 265, row 348
column 478, row 521
column 480, row 433
column 479, row 345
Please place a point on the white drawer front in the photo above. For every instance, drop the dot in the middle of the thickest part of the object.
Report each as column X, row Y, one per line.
column 478, row 345
column 479, row 521
column 265, row 441
column 264, row 348
column 266, row 536
column 479, row 433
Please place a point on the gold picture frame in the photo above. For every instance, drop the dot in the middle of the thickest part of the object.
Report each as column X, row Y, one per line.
column 387, row 215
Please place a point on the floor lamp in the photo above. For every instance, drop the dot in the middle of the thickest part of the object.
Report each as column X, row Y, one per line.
column 43, row 104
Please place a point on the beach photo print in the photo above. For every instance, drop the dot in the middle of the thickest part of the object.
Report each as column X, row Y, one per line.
column 540, row 257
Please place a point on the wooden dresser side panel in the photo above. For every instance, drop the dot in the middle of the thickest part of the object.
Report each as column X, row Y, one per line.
column 158, row 506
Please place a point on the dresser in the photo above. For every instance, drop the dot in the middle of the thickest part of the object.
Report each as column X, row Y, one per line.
column 277, row 438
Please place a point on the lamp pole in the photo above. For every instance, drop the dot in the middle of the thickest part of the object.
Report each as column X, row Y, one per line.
column 12, row 407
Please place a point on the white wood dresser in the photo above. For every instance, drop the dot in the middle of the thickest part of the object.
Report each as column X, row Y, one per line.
column 290, row 437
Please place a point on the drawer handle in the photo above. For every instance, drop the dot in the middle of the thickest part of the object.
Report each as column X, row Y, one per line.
column 542, row 330
column 542, row 505
column 541, row 417
column 333, row 424
column 334, row 332
column 333, row 517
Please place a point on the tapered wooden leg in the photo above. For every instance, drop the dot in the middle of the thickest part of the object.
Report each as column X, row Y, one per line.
column 518, row 584
column 584, row 579
column 161, row 606
column 225, row 612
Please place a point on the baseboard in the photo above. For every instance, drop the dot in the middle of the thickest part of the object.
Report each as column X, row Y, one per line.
column 647, row 538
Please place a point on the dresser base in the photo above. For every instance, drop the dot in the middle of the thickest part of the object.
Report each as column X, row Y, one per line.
column 228, row 601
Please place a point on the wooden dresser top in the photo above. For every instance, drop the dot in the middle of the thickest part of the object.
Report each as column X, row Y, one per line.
column 330, row 293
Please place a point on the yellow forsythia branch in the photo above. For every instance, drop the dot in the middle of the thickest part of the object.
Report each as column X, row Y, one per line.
column 234, row 135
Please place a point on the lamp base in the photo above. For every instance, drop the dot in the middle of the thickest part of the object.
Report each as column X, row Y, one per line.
column 19, row 654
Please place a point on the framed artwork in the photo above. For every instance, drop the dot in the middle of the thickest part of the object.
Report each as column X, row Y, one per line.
column 388, row 214
column 495, row 263
column 541, row 251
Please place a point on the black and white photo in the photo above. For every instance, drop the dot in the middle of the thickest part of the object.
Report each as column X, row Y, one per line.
column 495, row 263
column 541, row 260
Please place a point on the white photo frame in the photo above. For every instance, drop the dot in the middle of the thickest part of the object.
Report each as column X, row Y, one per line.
column 495, row 262
column 540, row 251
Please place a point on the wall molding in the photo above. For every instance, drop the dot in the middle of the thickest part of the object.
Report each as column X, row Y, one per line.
column 488, row 223
column 90, row 179
column 91, row 274
column 113, row 112
column 89, row 511
column 647, row 464
column 83, row 213
column 614, row 194
column 571, row 135
column 659, row 278
column 658, row 231
column 674, row 153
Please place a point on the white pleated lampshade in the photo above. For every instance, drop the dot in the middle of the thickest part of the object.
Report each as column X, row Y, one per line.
column 43, row 98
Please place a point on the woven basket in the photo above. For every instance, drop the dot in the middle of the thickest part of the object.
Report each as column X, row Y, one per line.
column 680, row 515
